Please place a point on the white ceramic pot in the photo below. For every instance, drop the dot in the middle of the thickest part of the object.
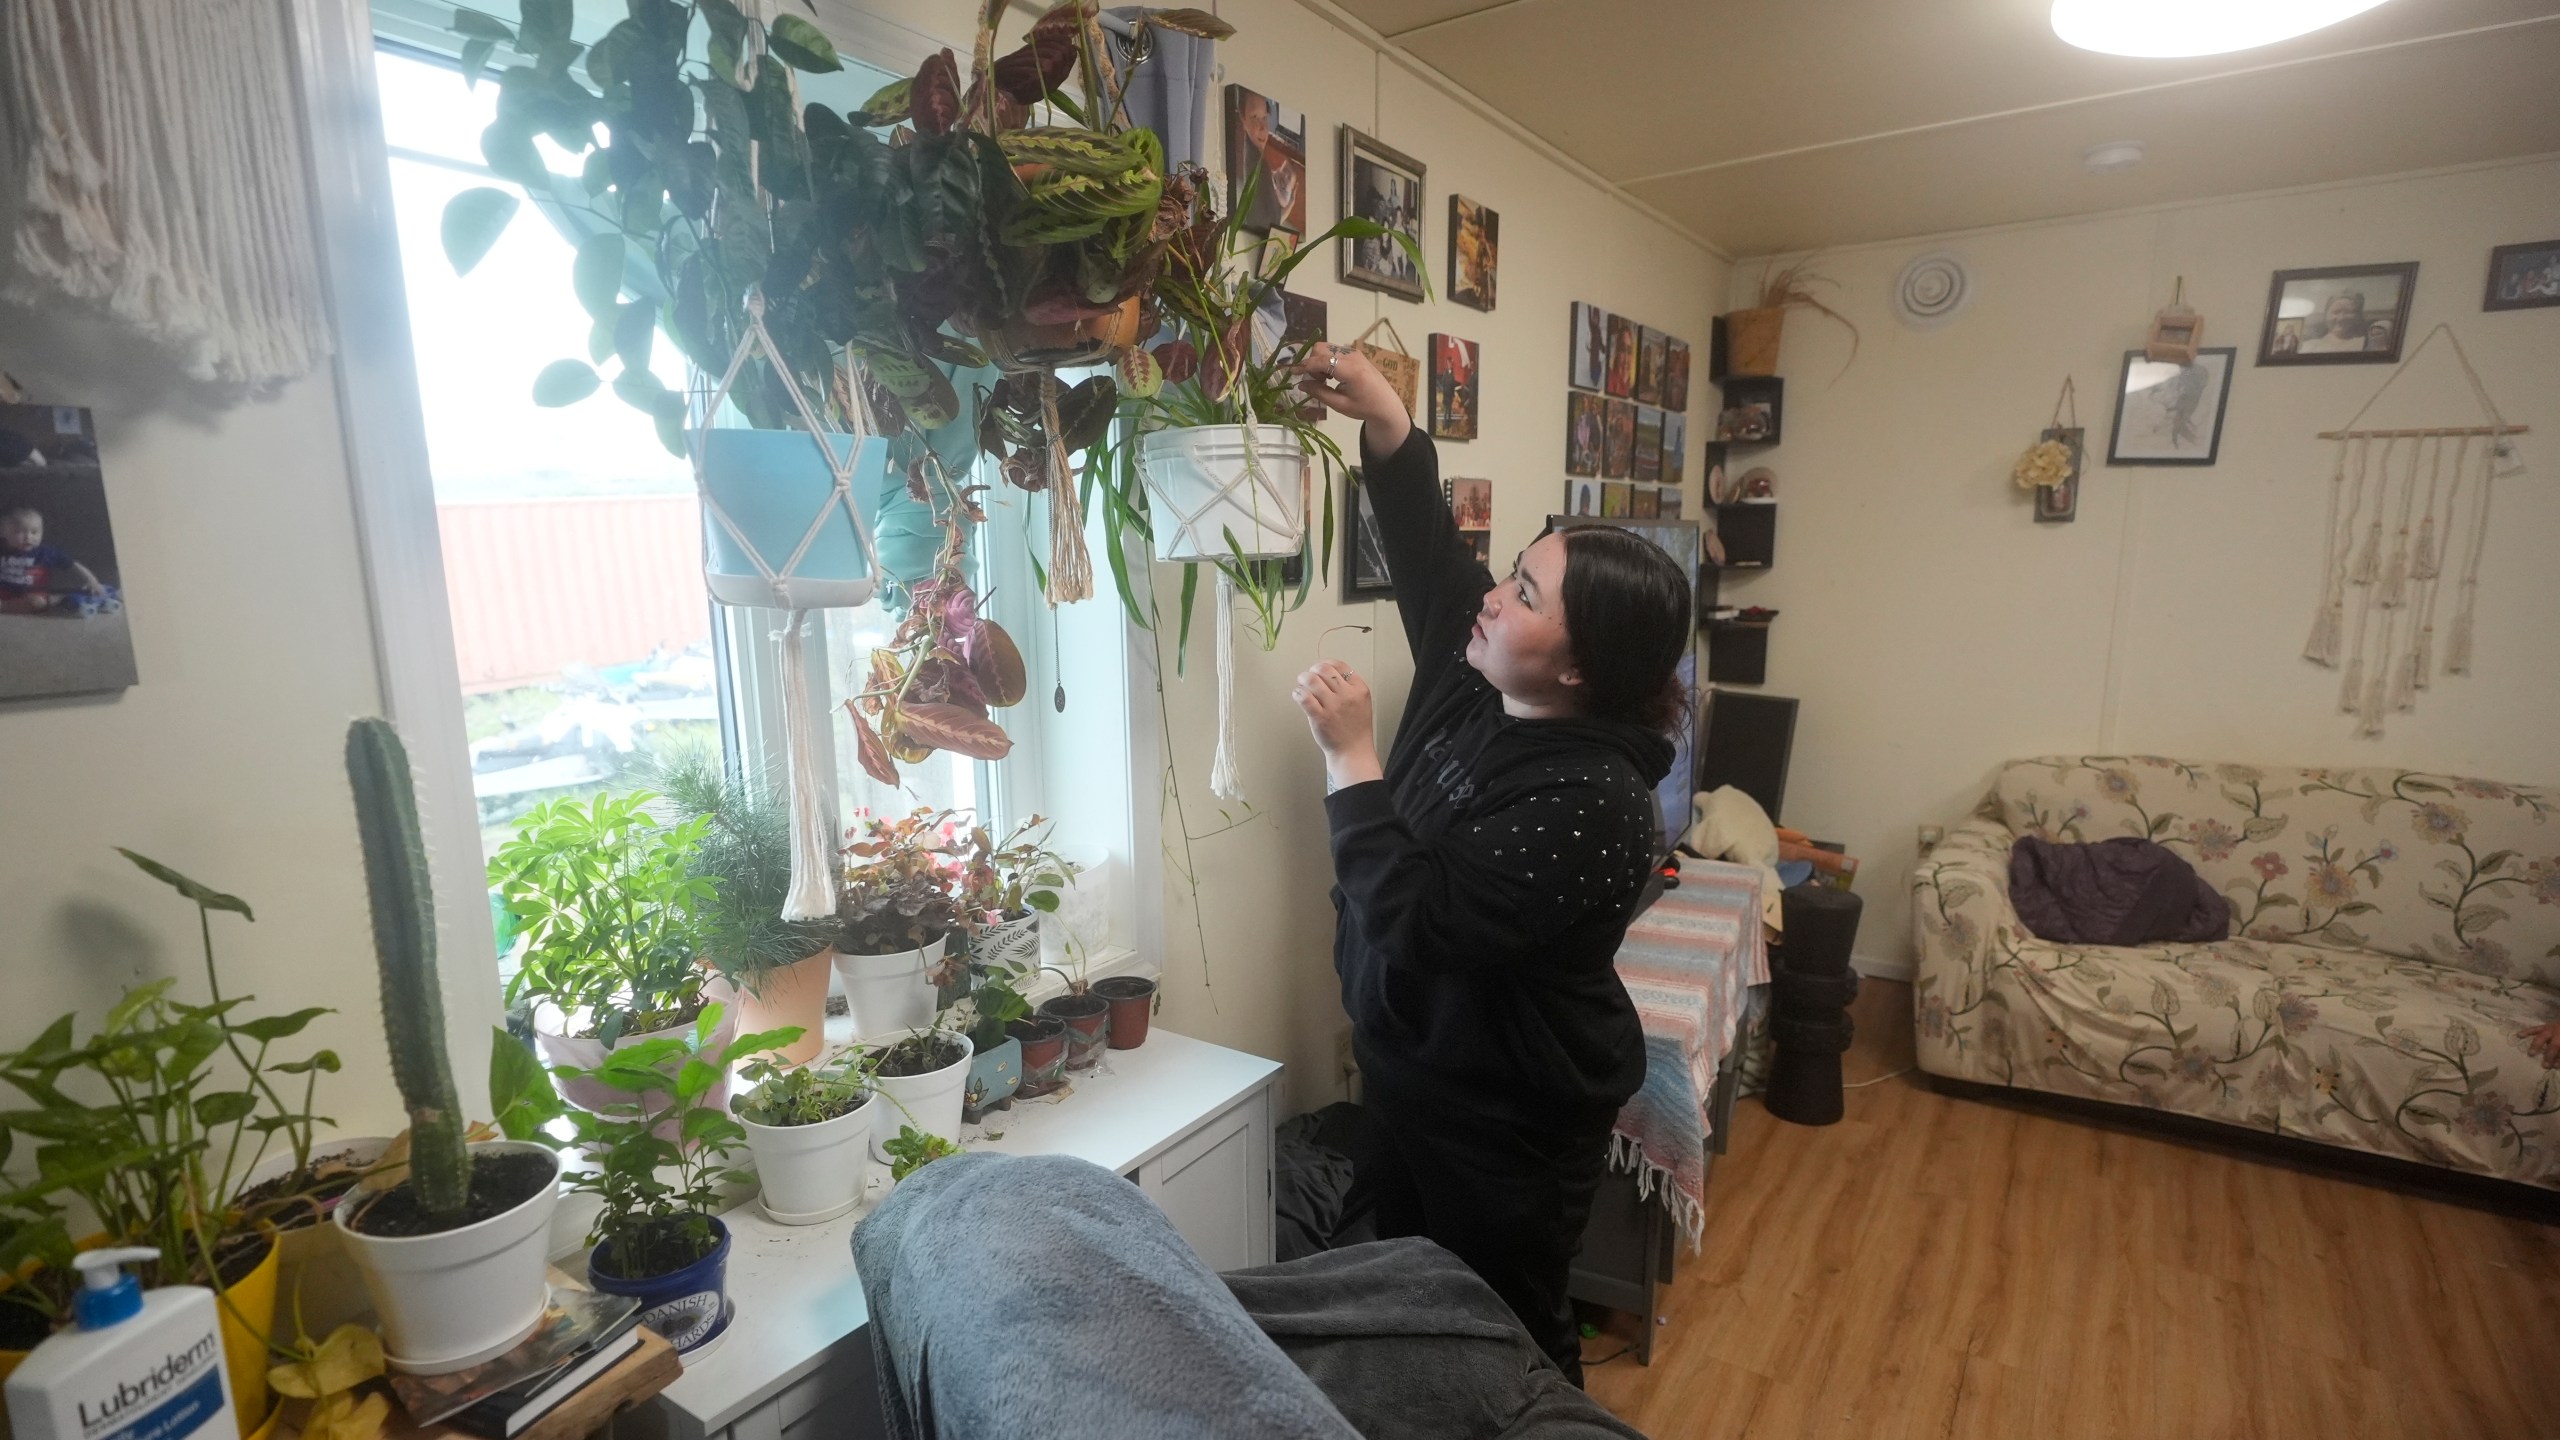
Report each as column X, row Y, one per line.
column 892, row 991
column 556, row 1046
column 316, row 1265
column 1200, row 487
column 813, row 1173
column 450, row 1301
column 932, row 1101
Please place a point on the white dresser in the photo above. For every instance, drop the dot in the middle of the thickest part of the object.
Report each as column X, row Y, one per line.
column 1188, row 1121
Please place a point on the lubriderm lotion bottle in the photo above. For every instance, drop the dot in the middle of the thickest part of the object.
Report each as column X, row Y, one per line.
column 138, row 1367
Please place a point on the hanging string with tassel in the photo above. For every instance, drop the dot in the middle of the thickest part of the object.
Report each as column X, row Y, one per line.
column 2423, row 670
column 2457, row 648
column 2329, row 618
column 813, row 844
column 1224, row 781
column 1070, row 564
column 2368, row 562
column 2395, row 570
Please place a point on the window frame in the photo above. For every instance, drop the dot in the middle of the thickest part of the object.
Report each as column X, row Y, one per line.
column 383, row 434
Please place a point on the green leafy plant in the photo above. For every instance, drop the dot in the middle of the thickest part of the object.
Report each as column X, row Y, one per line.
column 612, row 911
column 1008, row 881
column 802, row 1094
column 661, row 1163
column 153, row 1125
column 905, row 893
column 912, row 1149
column 1216, row 276
column 745, row 852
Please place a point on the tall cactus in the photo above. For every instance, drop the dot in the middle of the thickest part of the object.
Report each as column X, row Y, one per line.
column 404, row 943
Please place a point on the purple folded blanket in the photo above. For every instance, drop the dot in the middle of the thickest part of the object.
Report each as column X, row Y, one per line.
column 2124, row 891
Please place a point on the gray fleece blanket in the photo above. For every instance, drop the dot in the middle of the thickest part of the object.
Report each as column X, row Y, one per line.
column 1045, row 1296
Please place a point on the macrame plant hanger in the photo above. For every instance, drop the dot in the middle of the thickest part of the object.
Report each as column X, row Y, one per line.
column 812, row 893
column 2391, row 559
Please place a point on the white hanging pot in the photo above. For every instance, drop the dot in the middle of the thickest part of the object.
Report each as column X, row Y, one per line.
column 811, row 1174
column 891, row 991
column 931, row 1102
column 451, row 1300
column 771, row 495
column 1202, row 485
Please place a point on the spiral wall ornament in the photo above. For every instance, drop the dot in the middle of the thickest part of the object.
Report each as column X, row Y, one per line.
column 1931, row 289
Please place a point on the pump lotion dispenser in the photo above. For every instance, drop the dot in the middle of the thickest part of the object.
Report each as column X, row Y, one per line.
column 138, row 1366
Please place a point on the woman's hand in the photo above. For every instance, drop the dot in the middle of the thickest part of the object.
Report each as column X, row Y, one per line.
column 1346, row 383
column 1337, row 704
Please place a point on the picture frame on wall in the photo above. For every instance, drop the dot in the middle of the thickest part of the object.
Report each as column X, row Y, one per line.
column 63, row 627
column 1475, row 252
column 1618, row 440
column 1588, row 348
column 1675, row 374
column 1364, row 554
column 1621, row 382
column 1384, row 185
column 1648, row 460
column 1617, row 497
column 1586, row 423
column 2171, row 414
column 2338, row 315
column 1267, row 156
column 1675, row 447
column 2523, row 277
column 1471, row 505
column 1653, row 350
column 1455, row 386
column 1582, row 497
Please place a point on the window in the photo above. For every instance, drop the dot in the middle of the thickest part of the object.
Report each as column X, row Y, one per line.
column 584, row 639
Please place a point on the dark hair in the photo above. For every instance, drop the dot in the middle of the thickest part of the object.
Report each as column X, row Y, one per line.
column 1626, row 608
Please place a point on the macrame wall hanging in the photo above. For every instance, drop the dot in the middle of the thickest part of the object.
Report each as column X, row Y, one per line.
column 2408, row 510
column 155, row 157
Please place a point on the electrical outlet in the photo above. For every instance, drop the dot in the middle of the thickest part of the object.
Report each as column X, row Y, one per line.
column 1930, row 835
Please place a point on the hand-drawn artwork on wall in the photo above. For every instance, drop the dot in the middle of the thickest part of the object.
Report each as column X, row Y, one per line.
column 2171, row 414
column 63, row 628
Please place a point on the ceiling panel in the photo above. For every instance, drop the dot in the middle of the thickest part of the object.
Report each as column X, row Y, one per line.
column 2448, row 103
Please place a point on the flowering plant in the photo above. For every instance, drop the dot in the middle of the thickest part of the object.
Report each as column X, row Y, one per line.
column 905, row 894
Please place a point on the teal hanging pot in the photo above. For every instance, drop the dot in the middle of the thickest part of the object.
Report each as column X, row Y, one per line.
column 777, row 529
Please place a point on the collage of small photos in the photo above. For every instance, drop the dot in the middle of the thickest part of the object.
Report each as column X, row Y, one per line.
column 1626, row 437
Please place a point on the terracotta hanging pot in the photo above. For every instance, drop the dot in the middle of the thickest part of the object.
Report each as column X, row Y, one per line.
column 1090, row 341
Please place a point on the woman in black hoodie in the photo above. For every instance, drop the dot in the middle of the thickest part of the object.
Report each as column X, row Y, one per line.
column 1486, row 870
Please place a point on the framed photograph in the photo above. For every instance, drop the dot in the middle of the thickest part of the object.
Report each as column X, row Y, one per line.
column 1622, row 357
column 2523, row 277
column 1385, row 186
column 1648, row 502
column 2059, row 504
column 1671, row 502
column 2337, row 315
column 1675, row 447
column 1618, row 440
column 1454, row 387
column 1471, row 505
column 1267, row 156
column 1585, row 419
column 2171, row 414
column 1653, row 354
column 1364, row 556
column 1617, row 498
column 1582, row 497
column 1475, row 252
column 1675, row 374
column 1648, row 461
column 1589, row 347
column 63, row 629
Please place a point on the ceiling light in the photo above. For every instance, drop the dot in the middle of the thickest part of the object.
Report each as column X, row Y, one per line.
column 2111, row 157
column 2168, row 29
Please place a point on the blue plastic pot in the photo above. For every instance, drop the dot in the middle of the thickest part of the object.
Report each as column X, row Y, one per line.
column 689, row 1307
column 773, row 483
column 994, row 1075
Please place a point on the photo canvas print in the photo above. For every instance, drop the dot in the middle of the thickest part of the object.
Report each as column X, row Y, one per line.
column 1652, row 354
column 1672, row 504
column 63, row 628
column 1453, row 387
column 1586, row 417
column 1618, row 441
column 2338, row 315
column 1383, row 186
column 1582, row 497
column 1648, row 501
column 1471, row 505
column 1622, row 357
column 1648, row 461
column 1364, row 555
column 1475, row 236
column 1675, row 375
column 1590, row 347
column 1266, row 153
column 1675, row 447
column 1616, row 498
column 2171, row 414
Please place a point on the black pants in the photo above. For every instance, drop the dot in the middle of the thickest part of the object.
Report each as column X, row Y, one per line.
column 1510, row 1200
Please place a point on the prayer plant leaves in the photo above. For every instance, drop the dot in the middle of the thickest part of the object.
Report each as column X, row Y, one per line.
column 802, row 46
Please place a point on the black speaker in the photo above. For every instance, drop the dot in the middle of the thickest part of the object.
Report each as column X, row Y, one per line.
column 1744, row 741
column 1821, row 927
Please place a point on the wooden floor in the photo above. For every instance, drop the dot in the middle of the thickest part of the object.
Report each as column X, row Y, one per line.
column 1932, row 1266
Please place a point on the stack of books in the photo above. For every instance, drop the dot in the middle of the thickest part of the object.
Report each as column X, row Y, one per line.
column 582, row 1335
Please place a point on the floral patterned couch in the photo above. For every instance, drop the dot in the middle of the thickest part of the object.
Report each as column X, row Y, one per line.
column 2392, row 935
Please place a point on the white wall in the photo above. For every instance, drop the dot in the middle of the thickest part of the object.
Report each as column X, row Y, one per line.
column 1932, row 629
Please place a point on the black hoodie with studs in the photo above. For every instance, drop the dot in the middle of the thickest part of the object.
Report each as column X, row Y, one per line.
column 1483, row 886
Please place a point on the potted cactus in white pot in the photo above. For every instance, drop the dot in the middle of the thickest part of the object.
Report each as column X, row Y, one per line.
column 452, row 1246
